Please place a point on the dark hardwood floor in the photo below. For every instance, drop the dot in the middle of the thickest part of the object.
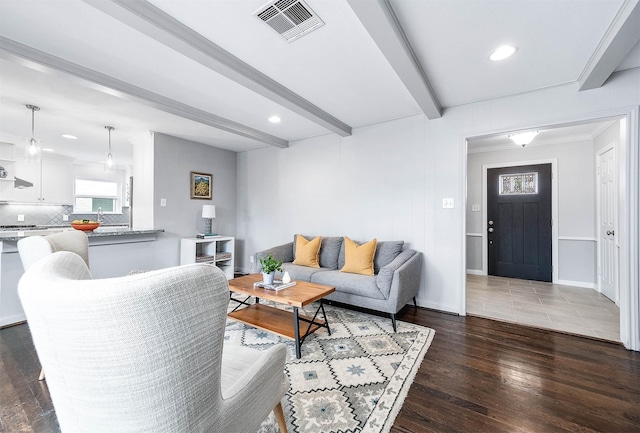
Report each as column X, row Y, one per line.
column 478, row 376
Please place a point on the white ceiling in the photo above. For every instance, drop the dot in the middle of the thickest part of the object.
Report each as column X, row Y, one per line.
column 340, row 71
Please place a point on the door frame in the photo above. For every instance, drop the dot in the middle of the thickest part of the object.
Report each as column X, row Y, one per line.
column 628, row 210
column 554, row 211
column 616, row 251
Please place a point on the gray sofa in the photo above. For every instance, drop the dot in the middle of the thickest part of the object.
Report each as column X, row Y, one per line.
column 395, row 282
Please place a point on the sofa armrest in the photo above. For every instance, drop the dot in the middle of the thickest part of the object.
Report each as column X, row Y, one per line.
column 403, row 274
column 281, row 252
column 385, row 275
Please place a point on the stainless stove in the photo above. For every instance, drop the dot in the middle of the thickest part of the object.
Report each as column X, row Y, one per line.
column 14, row 227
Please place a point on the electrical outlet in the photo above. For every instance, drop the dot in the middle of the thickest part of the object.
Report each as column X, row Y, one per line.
column 250, row 259
column 475, row 208
column 65, row 217
column 20, row 217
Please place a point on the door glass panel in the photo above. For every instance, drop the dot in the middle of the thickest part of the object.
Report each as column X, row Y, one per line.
column 518, row 183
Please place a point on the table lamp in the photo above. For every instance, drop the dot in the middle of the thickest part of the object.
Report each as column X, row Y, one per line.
column 208, row 213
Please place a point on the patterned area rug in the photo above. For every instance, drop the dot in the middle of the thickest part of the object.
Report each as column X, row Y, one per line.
column 354, row 380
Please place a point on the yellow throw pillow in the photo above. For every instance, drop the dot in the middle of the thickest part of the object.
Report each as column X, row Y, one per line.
column 358, row 259
column 307, row 252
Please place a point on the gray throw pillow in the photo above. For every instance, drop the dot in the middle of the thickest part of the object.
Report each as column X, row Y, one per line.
column 386, row 251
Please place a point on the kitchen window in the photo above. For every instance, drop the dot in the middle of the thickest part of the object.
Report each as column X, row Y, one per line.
column 89, row 195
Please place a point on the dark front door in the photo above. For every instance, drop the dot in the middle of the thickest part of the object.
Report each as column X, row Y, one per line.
column 519, row 222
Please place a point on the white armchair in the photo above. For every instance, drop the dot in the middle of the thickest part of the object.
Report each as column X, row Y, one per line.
column 145, row 352
column 34, row 248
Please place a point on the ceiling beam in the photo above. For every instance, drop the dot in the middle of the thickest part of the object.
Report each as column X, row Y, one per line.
column 35, row 59
column 383, row 26
column 160, row 26
column 621, row 36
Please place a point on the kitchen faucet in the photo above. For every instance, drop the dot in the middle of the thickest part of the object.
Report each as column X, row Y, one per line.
column 100, row 215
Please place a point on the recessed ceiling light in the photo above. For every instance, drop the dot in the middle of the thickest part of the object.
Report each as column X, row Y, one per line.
column 503, row 52
column 274, row 119
column 70, row 137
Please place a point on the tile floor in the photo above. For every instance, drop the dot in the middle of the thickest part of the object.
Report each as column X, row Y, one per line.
column 563, row 308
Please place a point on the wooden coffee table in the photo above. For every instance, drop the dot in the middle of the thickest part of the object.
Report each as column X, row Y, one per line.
column 275, row 320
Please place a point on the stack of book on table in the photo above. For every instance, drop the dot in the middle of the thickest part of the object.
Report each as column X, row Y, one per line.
column 277, row 285
column 207, row 235
column 223, row 256
column 205, row 259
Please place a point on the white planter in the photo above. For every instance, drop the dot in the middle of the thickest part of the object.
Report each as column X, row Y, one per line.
column 268, row 278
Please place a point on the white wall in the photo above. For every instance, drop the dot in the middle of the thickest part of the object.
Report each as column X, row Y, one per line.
column 143, row 186
column 388, row 180
column 576, row 204
column 175, row 159
column 611, row 135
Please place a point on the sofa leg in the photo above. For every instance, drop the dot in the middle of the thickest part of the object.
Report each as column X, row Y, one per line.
column 393, row 321
column 415, row 304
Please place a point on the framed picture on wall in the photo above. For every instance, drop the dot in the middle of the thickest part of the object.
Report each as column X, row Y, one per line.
column 201, row 185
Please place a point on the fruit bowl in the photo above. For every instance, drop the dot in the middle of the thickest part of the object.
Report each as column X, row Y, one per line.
column 85, row 226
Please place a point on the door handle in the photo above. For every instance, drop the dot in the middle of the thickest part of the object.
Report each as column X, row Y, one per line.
column 490, row 229
column 611, row 233
column 490, row 223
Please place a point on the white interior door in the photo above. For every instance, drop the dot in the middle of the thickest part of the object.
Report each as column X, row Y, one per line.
column 607, row 218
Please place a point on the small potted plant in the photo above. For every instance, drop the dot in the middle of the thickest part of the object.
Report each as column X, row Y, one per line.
column 269, row 267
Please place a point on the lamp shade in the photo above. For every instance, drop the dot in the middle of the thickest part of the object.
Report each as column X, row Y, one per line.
column 209, row 211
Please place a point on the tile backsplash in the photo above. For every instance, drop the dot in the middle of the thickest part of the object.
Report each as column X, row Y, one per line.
column 51, row 215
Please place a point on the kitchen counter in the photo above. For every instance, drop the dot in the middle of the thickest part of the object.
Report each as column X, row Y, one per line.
column 103, row 232
column 113, row 251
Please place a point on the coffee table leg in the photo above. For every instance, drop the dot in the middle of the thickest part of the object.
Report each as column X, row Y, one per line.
column 324, row 316
column 296, row 330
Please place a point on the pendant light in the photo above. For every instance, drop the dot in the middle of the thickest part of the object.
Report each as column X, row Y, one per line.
column 32, row 148
column 108, row 162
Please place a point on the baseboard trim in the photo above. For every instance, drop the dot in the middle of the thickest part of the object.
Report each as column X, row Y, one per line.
column 475, row 271
column 12, row 320
column 577, row 284
column 436, row 306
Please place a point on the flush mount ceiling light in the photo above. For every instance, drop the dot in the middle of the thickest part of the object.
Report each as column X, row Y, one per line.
column 523, row 138
column 108, row 163
column 274, row 119
column 70, row 137
column 503, row 52
column 32, row 149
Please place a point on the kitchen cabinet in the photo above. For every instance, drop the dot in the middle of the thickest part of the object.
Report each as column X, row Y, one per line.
column 49, row 180
column 218, row 251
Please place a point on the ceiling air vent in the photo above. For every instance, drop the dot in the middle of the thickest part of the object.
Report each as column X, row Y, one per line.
column 291, row 18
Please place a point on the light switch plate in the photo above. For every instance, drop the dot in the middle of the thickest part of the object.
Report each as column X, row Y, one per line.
column 447, row 203
column 20, row 217
column 163, row 202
